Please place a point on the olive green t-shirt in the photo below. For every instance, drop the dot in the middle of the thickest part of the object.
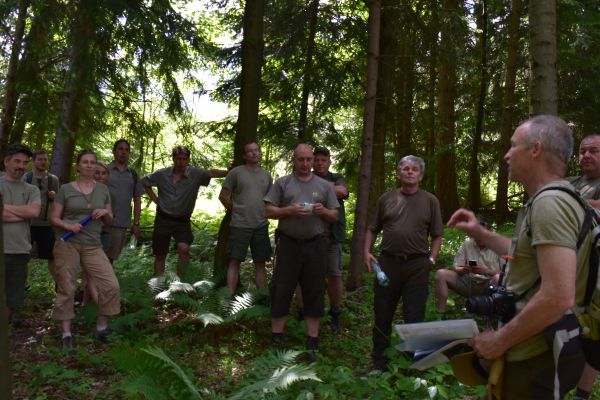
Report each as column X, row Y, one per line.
column 247, row 191
column 77, row 206
column 470, row 251
column 553, row 218
column 17, row 237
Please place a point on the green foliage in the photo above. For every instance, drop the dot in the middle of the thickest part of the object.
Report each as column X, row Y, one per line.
column 154, row 375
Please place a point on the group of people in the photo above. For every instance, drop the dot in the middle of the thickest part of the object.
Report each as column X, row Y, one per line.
column 542, row 263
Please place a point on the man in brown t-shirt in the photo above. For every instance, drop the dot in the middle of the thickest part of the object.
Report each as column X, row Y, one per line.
column 412, row 235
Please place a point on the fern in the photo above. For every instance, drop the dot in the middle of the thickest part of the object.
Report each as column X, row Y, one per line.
column 154, row 375
column 273, row 372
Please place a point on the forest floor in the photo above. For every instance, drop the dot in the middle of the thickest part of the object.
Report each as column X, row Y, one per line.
column 220, row 359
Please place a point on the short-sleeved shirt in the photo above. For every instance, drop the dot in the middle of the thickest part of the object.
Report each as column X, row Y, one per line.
column 589, row 189
column 290, row 190
column 470, row 251
column 45, row 183
column 123, row 186
column 338, row 229
column 77, row 206
column 17, row 237
column 554, row 218
column 407, row 221
column 177, row 199
column 247, row 189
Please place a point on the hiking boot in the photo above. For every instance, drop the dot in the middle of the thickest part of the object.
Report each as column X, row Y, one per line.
column 277, row 341
column 336, row 327
column 299, row 314
column 381, row 364
column 312, row 348
column 66, row 344
column 101, row 336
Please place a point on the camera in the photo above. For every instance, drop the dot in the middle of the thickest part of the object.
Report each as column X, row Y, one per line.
column 498, row 303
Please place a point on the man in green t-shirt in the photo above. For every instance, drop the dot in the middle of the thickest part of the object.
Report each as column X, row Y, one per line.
column 546, row 271
column 588, row 185
column 242, row 194
column 21, row 204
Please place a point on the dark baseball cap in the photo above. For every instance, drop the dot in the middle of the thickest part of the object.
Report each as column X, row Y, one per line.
column 322, row 150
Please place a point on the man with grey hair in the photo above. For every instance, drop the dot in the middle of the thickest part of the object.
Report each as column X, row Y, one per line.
column 588, row 185
column 546, row 272
column 412, row 235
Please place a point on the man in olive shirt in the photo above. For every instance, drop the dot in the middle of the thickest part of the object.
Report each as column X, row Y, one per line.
column 242, row 194
column 588, row 186
column 124, row 186
column 412, row 235
column 546, row 271
column 305, row 205
column 178, row 188
column 41, row 231
column 21, row 204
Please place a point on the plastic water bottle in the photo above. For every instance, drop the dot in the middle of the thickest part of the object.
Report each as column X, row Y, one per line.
column 381, row 276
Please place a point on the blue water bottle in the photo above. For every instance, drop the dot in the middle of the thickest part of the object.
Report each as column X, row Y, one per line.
column 381, row 276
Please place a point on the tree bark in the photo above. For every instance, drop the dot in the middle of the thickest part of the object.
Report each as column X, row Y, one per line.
column 432, row 34
column 9, row 104
column 445, row 187
column 247, row 124
column 76, row 84
column 542, row 44
column 354, row 280
column 305, row 134
column 508, row 105
column 404, row 93
column 474, row 192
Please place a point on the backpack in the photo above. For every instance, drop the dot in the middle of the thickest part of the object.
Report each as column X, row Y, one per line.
column 588, row 313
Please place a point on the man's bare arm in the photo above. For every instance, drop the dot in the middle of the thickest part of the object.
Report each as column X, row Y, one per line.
column 225, row 198
column 217, row 173
column 18, row 213
column 150, row 192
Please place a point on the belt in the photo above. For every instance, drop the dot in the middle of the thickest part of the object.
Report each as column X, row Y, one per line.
column 405, row 257
column 300, row 241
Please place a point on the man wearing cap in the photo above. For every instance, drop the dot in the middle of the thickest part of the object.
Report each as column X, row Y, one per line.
column 412, row 235
column 305, row 205
column 242, row 194
column 41, row 231
column 546, row 271
column 21, row 204
column 468, row 280
column 337, row 235
column 178, row 188
column 588, row 186
column 124, row 186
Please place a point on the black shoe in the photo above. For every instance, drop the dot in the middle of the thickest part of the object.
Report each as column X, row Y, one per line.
column 277, row 341
column 312, row 348
column 66, row 344
column 299, row 314
column 336, row 327
column 101, row 336
column 381, row 364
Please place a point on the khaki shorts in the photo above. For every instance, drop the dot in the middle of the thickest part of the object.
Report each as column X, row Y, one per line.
column 468, row 286
column 256, row 238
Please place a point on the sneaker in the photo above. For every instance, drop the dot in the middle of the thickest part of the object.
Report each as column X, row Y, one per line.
column 101, row 336
column 66, row 344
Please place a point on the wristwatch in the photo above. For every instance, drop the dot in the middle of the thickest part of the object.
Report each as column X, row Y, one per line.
column 432, row 260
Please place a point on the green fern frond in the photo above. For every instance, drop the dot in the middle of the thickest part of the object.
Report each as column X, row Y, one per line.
column 241, row 302
column 210, row 319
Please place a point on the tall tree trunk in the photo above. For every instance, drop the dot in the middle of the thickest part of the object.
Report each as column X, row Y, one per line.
column 508, row 105
column 404, row 90
column 9, row 104
column 304, row 134
column 542, row 45
column 78, row 75
column 432, row 34
column 247, row 124
column 474, row 194
column 445, row 187
column 384, row 116
column 360, row 217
